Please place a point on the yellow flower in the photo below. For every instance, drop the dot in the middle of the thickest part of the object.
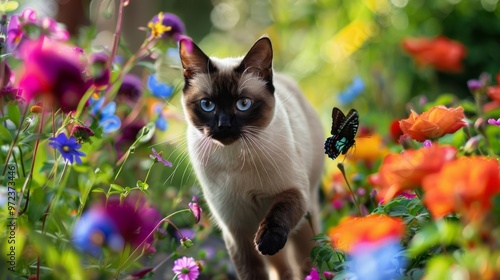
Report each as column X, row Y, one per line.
column 369, row 149
column 157, row 27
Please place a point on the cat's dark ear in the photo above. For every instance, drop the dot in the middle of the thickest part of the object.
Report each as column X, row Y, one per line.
column 259, row 59
column 193, row 59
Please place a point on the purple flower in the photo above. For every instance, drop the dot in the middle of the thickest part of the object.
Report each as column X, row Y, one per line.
column 475, row 85
column 114, row 224
column 130, row 89
column 53, row 71
column 159, row 89
column 98, row 70
column 427, row 143
column 195, row 208
column 157, row 157
column 166, row 25
column 494, row 122
column 186, row 269
column 313, row 275
column 127, row 136
column 68, row 148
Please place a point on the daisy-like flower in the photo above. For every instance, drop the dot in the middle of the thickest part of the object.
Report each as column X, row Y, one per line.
column 195, row 208
column 158, row 157
column 166, row 25
column 186, row 269
column 68, row 147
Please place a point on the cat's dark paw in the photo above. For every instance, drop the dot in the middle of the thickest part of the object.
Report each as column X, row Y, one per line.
column 270, row 238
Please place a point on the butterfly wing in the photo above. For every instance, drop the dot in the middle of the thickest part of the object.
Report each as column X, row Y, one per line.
column 338, row 118
column 347, row 131
column 331, row 147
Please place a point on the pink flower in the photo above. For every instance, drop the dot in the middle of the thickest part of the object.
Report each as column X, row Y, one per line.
column 494, row 122
column 313, row 275
column 195, row 209
column 53, row 71
column 186, row 269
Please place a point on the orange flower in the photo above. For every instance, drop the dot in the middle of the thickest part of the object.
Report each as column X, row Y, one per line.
column 494, row 94
column 434, row 123
column 441, row 53
column 406, row 171
column 368, row 229
column 466, row 184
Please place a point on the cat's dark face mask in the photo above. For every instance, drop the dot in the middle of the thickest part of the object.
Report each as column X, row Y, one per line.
column 228, row 100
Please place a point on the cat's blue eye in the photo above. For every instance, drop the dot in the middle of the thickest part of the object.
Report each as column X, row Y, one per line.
column 207, row 105
column 243, row 104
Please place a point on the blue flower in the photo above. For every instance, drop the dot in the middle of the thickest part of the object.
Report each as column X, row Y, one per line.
column 161, row 122
column 94, row 230
column 159, row 89
column 107, row 119
column 352, row 91
column 115, row 223
column 377, row 261
column 67, row 147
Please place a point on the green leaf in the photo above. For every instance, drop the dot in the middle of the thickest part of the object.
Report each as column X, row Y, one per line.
column 117, row 187
column 441, row 232
column 14, row 113
column 4, row 133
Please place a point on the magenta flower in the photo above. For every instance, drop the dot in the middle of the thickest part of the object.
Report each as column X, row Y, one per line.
column 195, row 209
column 53, row 71
column 157, row 157
column 494, row 122
column 313, row 275
column 186, row 269
column 68, row 147
column 27, row 26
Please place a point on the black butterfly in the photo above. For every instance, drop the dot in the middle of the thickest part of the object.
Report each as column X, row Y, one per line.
column 343, row 132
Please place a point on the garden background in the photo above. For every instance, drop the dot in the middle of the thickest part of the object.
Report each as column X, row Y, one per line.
column 382, row 57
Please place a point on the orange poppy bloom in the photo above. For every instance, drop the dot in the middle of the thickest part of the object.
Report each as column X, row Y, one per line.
column 368, row 229
column 441, row 53
column 466, row 184
column 434, row 123
column 494, row 94
column 405, row 171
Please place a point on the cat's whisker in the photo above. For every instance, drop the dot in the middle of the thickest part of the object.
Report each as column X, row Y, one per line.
column 257, row 144
column 177, row 164
column 279, row 148
column 267, row 155
column 248, row 145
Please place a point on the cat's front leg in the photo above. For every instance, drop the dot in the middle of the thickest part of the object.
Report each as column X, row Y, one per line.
column 286, row 211
column 249, row 265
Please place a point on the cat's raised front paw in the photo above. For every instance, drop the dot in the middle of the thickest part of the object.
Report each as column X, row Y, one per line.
column 270, row 238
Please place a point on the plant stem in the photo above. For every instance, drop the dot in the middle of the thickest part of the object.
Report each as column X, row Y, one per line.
column 340, row 166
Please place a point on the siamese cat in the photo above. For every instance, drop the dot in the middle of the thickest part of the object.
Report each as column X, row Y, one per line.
column 256, row 146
